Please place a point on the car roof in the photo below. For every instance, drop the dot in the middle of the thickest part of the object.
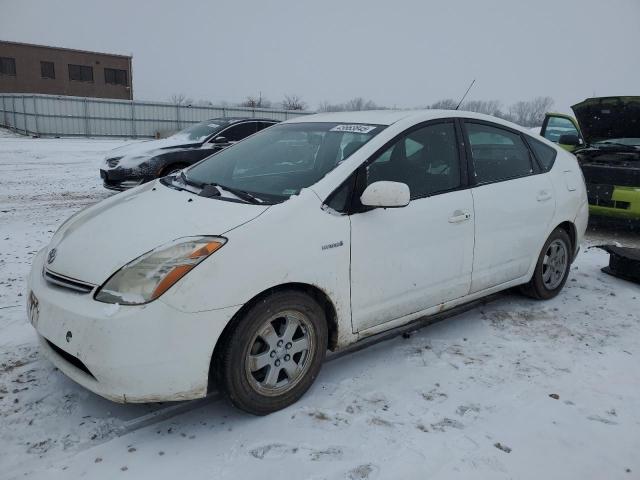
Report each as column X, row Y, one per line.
column 230, row 120
column 389, row 117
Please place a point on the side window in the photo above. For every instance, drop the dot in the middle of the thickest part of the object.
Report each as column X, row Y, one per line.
column 425, row 159
column 497, row 154
column 557, row 126
column 544, row 153
column 240, row 131
column 263, row 125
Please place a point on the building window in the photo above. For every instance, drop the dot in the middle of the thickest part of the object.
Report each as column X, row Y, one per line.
column 8, row 66
column 47, row 70
column 115, row 76
column 80, row 73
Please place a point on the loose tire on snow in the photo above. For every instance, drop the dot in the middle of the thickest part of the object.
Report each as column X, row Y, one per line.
column 274, row 352
column 552, row 269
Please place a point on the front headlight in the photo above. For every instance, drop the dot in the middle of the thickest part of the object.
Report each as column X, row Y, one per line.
column 150, row 275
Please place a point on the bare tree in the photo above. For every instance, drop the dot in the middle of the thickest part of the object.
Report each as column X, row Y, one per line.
column 359, row 103
column 255, row 102
column 293, row 102
column 444, row 104
column 330, row 107
column 530, row 113
column 488, row 107
column 180, row 99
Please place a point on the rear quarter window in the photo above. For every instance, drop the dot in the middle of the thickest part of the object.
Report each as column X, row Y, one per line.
column 545, row 154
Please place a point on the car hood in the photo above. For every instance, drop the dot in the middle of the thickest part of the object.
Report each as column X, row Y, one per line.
column 94, row 243
column 133, row 153
column 607, row 118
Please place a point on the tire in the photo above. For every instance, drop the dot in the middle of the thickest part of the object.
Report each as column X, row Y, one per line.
column 548, row 280
column 263, row 365
column 169, row 169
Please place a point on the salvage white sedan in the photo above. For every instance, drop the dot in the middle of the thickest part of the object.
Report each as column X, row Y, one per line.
column 241, row 271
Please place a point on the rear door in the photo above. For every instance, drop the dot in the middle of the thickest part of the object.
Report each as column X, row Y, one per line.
column 404, row 260
column 513, row 202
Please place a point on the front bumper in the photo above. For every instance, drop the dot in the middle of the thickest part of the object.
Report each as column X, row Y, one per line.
column 124, row 179
column 615, row 201
column 137, row 354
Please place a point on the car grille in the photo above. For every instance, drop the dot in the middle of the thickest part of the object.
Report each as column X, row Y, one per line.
column 68, row 283
column 73, row 360
column 113, row 162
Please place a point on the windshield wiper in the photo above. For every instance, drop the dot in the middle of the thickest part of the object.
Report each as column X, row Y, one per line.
column 211, row 187
column 242, row 194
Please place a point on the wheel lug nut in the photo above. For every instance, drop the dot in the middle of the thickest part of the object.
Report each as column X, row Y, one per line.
column 273, row 353
column 288, row 345
column 287, row 357
column 280, row 342
column 277, row 363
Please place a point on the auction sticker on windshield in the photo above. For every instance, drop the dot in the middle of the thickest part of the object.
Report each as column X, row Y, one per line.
column 352, row 128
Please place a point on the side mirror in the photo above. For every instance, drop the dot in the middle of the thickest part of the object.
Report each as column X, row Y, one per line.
column 220, row 140
column 569, row 139
column 386, row 195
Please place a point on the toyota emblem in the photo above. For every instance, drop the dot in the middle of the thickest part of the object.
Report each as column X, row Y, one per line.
column 52, row 256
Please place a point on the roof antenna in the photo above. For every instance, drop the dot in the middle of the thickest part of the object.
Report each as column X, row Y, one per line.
column 465, row 94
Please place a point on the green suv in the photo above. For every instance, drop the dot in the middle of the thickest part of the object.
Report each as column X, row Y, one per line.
column 606, row 141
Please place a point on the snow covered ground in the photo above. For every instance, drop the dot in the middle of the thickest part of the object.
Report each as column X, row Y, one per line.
column 512, row 389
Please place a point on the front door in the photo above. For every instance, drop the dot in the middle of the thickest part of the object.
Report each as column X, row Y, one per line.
column 563, row 130
column 404, row 260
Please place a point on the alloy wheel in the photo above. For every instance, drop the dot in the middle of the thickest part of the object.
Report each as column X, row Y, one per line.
column 280, row 353
column 554, row 264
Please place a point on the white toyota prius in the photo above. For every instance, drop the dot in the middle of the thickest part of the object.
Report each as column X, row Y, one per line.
column 241, row 271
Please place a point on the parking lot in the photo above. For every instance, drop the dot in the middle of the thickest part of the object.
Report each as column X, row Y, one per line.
column 512, row 389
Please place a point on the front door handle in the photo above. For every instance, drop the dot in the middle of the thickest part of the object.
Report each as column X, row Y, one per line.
column 459, row 216
column 544, row 195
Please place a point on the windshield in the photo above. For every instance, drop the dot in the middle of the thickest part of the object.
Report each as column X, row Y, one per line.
column 198, row 132
column 282, row 160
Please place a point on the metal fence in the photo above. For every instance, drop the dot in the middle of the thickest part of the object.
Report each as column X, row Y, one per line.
column 58, row 116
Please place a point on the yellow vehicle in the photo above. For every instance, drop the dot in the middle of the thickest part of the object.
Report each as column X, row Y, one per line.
column 606, row 140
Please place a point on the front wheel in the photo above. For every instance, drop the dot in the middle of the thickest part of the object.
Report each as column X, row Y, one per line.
column 274, row 353
column 552, row 268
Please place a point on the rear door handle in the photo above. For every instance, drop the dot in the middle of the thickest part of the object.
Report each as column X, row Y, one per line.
column 544, row 195
column 459, row 216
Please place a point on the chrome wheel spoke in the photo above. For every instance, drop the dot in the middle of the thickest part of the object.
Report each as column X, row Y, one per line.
column 258, row 362
column 269, row 335
column 292, row 369
column 299, row 345
column 291, row 326
column 271, row 380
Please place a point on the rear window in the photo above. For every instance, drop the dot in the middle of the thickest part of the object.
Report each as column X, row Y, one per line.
column 544, row 153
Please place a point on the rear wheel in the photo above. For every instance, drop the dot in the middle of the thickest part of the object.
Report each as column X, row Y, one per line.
column 274, row 353
column 552, row 268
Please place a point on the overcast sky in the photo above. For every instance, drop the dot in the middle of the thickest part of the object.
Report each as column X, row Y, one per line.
column 400, row 53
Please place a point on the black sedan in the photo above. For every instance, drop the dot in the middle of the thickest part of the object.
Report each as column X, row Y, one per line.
column 134, row 164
